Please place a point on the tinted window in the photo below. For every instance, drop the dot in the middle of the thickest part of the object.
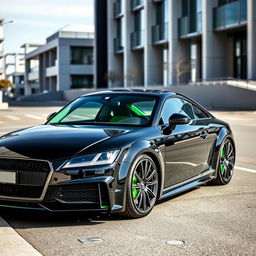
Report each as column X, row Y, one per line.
column 176, row 105
column 200, row 114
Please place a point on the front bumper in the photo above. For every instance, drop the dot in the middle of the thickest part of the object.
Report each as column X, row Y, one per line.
column 73, row 190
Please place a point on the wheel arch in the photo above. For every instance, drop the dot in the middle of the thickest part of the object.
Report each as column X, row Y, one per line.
column 137, row 149
column 222, row 136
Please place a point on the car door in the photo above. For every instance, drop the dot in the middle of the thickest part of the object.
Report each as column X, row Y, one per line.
column 210, row 130
column 184, row 145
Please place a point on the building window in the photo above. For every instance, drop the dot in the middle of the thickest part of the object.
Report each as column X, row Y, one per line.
column 222, row 2
column 81, row 55
column 81, row 81
column 240, row 58
column 162, row 12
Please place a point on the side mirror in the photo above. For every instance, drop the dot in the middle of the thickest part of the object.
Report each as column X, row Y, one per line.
column 177, row 119
column 51, row 116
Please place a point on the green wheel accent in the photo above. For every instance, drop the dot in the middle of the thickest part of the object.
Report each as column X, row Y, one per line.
column 222, row 168
column 104, row 207
column 135, row 191
column 222, row 153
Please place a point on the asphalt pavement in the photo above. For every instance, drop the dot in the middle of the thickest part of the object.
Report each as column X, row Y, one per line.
column 208, row 220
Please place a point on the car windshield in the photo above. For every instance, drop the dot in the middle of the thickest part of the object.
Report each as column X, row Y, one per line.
column 112, row 109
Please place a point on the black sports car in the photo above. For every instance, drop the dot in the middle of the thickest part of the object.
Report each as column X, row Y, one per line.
column 116, row 151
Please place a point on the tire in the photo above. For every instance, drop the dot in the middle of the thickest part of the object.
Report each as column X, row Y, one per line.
column 142, row 189
column 225, row 163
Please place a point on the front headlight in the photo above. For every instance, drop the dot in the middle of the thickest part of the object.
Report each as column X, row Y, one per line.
column 95, row 159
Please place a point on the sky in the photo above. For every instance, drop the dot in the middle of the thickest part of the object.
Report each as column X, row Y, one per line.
column 34, row 20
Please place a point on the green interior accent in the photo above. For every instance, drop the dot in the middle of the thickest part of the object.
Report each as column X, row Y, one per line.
column 222, row 153
column 117, row 118
column 135, row 191
column 136, row 110
column 60, row 115
column 104, row 207
column 222, row 169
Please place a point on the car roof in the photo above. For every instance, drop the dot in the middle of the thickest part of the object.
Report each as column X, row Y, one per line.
column 134, row 91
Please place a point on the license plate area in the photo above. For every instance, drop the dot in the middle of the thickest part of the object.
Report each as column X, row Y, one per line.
column 7, row 177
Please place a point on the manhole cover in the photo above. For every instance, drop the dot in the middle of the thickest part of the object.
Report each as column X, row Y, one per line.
column 175, row 242
column 90, row 240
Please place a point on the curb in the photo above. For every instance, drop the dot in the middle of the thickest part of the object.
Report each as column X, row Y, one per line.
column 11, row 243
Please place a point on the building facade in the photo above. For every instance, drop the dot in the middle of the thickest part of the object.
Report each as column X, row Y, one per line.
column 168, row 42
column 14, row 71
column 65, row 62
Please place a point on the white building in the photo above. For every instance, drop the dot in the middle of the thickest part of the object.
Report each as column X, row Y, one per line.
column 64, row 62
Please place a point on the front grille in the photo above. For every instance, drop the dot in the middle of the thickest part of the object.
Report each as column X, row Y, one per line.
column 31, row 176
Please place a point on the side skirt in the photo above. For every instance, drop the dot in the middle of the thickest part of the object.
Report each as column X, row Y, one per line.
column 188, row 184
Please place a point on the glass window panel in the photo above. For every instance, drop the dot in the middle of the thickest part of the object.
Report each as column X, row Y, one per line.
column 176, row 106
column 81, row 55
column 81, row 81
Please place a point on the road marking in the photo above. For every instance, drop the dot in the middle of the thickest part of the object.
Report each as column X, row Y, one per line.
column 245, row 169
column 14, row 118
column 34, row 117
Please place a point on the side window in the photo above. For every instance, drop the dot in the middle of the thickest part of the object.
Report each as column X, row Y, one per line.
column 200, row 114
column 176, row 105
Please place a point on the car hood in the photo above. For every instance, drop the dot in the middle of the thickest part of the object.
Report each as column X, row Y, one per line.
column 50, row 142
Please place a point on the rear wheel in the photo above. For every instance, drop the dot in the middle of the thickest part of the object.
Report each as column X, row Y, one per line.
column 226, row 163
column 142, row 188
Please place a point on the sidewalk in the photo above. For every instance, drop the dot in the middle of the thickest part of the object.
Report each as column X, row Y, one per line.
column 11, row 243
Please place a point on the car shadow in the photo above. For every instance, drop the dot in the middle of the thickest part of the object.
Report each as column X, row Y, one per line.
column 27, row 219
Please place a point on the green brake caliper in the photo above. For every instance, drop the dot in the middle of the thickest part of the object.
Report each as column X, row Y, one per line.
column 135, row 191
column 222, row 167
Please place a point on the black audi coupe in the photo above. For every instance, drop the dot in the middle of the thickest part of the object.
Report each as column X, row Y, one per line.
column 115, row 151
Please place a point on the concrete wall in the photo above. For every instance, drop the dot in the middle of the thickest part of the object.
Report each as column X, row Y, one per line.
column 212, row 96
column 220, row 96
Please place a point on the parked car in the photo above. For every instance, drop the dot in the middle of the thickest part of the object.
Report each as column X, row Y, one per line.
column 117, row 151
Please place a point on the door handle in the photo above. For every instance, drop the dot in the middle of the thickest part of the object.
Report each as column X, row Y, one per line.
column 204, row 134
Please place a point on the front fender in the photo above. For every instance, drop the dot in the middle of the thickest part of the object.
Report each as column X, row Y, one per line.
column 138, row 148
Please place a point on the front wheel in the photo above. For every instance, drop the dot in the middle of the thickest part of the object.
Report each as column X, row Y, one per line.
column 226, row 163
column 142, row 187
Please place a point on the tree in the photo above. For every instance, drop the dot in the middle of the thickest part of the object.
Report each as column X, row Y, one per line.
column 132, row 75
column 182, row 65
column 5, row 84
column 113, row 77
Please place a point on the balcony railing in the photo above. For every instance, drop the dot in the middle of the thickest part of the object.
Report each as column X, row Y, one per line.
column 232, row 14
column 117, row 8
column 137, row 39
column 160, row 33
column 188, row 25
column 118, row 47
column 136, row 3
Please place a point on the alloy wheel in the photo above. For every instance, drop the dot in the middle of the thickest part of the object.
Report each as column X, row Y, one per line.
column 144, row 185
column 227, row 161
